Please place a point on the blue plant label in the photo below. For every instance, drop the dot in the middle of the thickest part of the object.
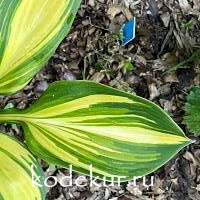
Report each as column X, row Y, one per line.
column 128, row 31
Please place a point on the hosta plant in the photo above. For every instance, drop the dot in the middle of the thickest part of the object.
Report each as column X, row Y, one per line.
column 83, row 123
column 30, row 31
column 15, row 172
column 75, row 123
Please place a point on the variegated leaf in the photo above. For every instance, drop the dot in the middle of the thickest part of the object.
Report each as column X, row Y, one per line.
column 83, row 123
column 30, row 31
column 15, row 172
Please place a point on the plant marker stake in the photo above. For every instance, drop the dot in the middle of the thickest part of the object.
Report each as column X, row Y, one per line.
column 128, row 31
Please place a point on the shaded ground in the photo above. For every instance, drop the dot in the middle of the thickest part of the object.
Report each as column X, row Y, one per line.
column 167, row 33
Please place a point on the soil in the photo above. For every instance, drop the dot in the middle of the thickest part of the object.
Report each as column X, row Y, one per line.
column 168, row 32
